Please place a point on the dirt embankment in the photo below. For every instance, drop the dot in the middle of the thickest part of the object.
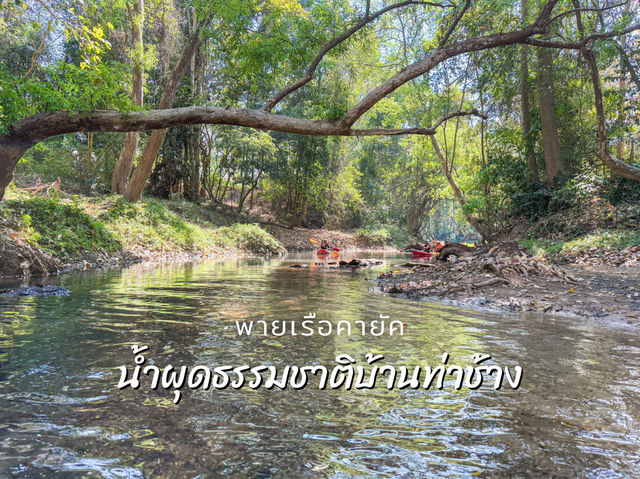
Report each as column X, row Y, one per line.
column 627, row 257
column 299, row 239
column 507, row 278
column 19, row 258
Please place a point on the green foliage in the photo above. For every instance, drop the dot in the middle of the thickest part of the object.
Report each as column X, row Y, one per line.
column 62, row 229
column 67, row 87
column 67, row 229
column 614, row 239
column 68, row 158
column 300, row 177
column 171, row 226
column 375, row 236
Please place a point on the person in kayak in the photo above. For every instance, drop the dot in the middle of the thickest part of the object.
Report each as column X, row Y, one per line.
column 426, row 247
column 325, row 245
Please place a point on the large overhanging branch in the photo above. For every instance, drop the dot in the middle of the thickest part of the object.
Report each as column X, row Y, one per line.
column 308, row 76
column 34, row 129
column 26, row 133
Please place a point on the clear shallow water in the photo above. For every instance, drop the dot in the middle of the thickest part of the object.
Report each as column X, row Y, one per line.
column 577, row 412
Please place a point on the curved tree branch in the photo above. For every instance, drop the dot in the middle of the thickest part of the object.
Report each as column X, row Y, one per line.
column 455, row 22
column 617, row 166
column 308, row 76
column 429, row 62
column 26, row 133
column 37, row 128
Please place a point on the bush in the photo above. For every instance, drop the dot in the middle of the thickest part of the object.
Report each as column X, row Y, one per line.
column 153, row 224
column 374, row 236
column 533, row 202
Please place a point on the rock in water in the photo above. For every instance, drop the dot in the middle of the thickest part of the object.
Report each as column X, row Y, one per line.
column 36, row 291
column 360, row 263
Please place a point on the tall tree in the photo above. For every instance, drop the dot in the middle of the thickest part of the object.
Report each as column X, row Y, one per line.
column 525, row 110
column 548, row 116
column 195, row 136
column 122, row 170
column 151, row 151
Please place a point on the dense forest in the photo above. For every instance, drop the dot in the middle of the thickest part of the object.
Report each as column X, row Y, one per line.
column 319, row 238
column 415, row 118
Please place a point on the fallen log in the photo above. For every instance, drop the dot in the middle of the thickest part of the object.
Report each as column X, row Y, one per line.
column 463, row 251
column 459, row 250
column 489, row 282
column 413, row 246
column 415, row 264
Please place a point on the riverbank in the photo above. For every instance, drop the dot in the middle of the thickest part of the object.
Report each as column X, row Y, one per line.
column 508, row 278
column 52, row 232
column 42, row 235
column 300, row 239
column 593, row 234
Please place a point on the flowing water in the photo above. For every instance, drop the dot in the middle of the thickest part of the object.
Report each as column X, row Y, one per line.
column 576, row 413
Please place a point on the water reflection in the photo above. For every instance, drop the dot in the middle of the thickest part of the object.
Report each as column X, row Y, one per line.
column 60, row 413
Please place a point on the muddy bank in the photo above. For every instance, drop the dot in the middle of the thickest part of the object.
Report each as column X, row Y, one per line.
column 627, row 257
column 509, row 279
column 19, row 258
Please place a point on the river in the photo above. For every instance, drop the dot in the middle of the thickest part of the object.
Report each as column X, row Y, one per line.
column 576, row 413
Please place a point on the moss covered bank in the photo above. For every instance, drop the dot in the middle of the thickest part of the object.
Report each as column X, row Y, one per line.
column 47, row 235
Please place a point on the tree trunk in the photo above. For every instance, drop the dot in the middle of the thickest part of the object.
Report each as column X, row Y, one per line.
column 475, row 222
column 197, row 79
column 151, row 151
column 122, row 171
column 617, row 166
column 194, row 175
column 529, row 152
column 548, row 118
column 10, row 153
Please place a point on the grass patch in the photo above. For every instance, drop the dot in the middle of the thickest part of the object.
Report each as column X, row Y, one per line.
column 169, row 226
column 602, row 240
column 67, row 228
column 62, row 229
column 247, row 237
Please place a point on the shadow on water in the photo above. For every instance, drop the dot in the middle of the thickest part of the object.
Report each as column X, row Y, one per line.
column 576, row 413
